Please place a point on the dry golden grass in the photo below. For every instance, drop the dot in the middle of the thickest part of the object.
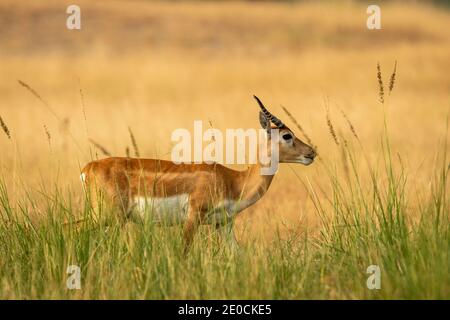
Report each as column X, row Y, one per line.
column 156, row 67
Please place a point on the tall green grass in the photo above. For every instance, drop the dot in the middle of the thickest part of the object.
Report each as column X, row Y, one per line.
column 362, row 224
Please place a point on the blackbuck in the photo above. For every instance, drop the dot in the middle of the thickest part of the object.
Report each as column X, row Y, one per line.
column 189, row 194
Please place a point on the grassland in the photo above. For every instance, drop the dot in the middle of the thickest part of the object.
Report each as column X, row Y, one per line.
column 378, row 194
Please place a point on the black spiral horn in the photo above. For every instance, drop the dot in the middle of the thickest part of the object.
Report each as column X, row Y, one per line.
column 269, row 116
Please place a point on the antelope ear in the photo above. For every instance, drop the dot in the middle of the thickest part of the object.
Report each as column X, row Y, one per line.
column 265, row 123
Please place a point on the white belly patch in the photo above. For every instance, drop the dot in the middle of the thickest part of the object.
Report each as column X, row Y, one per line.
column 168, row 210
column 173, row 210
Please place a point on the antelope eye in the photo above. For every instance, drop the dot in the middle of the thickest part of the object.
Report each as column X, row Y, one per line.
column 287, row 136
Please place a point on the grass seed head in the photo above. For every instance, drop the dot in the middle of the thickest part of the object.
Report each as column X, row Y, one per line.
column 350, row 125
column 5, row 128
column 392, row 79
column 380, row 84
column 48, row 135
column 134, row 143
column 101, row 148
column 331, row 128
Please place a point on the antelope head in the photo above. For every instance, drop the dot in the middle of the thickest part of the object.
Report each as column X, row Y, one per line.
column 291, row 149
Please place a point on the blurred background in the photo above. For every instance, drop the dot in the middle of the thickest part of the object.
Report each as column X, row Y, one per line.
column 154, row 66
